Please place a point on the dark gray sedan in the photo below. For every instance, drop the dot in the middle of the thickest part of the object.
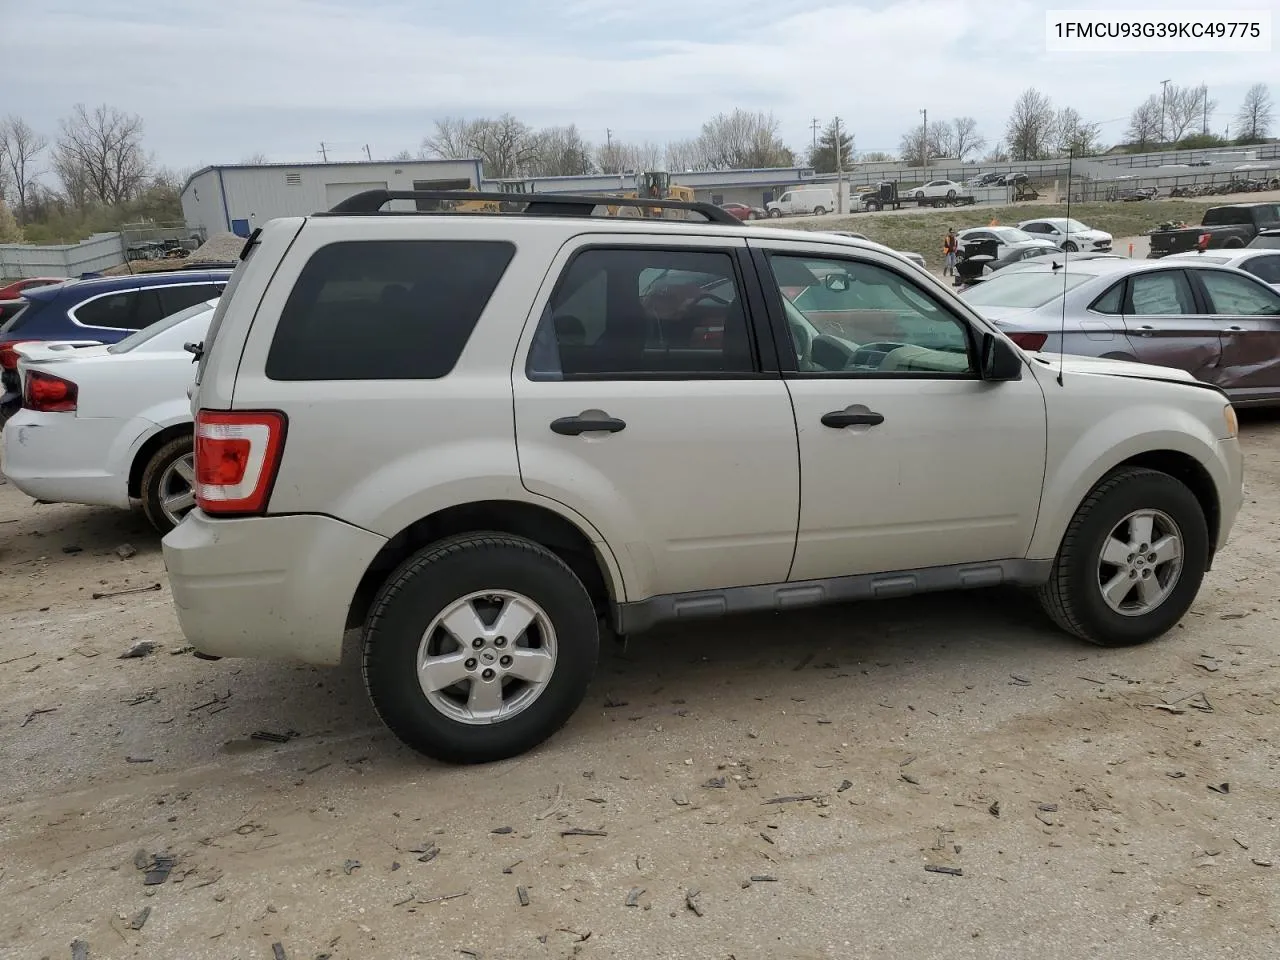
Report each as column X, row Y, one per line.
column 1220, row 324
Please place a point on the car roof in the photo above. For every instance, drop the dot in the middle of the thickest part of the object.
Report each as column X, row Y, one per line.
column 1219, row 253
column 1108, row 266
column 91, row 285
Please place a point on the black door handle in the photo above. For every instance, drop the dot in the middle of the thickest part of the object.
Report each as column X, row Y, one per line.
column 572, row 426
column 842, row 418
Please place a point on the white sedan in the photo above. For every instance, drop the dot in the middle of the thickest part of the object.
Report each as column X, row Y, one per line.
column 936, row 189
column 110, row 425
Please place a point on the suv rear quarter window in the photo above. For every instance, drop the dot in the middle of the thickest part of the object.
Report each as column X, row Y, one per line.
column 385, row 309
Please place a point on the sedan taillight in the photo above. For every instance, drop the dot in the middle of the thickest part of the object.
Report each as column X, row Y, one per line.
column 1029, row 341
column 46, row 393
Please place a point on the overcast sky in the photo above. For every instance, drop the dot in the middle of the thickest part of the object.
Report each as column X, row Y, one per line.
column 218, row 80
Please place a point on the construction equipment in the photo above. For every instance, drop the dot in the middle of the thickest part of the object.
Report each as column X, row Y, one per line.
column 656, row 185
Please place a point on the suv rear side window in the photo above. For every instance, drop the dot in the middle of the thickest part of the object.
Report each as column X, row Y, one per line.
column 385, row 309
column 114, row 310
column 176, row 299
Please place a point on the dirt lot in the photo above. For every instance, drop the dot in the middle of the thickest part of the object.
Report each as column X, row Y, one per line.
column 832, row 756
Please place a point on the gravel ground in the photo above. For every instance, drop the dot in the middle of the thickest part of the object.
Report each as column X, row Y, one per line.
column 767, row 787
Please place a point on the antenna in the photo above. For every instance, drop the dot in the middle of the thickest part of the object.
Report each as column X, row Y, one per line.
column 1066, row 254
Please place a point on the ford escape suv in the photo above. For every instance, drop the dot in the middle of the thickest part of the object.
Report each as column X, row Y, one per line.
column 476, row 437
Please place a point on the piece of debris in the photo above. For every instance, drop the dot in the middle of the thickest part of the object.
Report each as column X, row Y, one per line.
column 1240, row 843
column 1175, row 774
column 766, row 838
column 140, row 859
column 949, row 871
column 763, row 878
column 582, row 937
column 1207, row 663
column 1220, row 787
column 277, row 951
column 126, row 551
column 139, row 760
column 182, row 650
column 522, row 894
column 555, row 803
column 79, row 950
column 792, row 798
column 1044, row 818
column 350, row 867
column 125, row 592
column 1168, row 708
column 72, row 548
column 25, row 656
column 158, row 869
column 35, row 713
column 680, row 800
column 1233, row 616
column 140, row 919
column 469, row 953
column 1048, row 807
column 1260, row 863
column 582, row 832
column 444, row 896
column 512, row 867
column 271, row 737
column 910, row 779
column 844, row 785
column 1017, row 681
column 633, row 896
column 994, row 809
column 1200, row 702
column 716, row 783
column 610, row 703
column 503, row 830
column 691, row 901
column 428, row 852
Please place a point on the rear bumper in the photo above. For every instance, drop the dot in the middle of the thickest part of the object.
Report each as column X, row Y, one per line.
column 62, row 458
column 267, row 587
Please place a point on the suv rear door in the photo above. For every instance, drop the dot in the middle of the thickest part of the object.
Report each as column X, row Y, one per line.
column 641, row 403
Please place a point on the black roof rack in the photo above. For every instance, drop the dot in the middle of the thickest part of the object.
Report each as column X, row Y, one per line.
column 536, row 204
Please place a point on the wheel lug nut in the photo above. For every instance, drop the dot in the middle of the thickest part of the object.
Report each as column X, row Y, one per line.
column 506, row 661
column 488, row 674
column 471, row 663
column 478, row 642
column 1151, row 558
column 1133, row 574
column 500, row 642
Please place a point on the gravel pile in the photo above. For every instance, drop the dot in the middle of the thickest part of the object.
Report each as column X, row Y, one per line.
column 220, row 247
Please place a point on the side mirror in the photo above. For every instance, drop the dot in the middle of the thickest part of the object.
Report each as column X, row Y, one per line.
column 1000, row 359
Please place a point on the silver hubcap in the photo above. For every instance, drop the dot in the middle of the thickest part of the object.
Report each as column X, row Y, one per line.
column 1140, row 562
column 178, row 488
column 487, row 657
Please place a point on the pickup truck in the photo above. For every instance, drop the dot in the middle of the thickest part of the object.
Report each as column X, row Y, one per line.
column 1231, row 226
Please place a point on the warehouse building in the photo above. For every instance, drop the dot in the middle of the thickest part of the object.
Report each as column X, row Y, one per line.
column 752, row 187
column 240, row 197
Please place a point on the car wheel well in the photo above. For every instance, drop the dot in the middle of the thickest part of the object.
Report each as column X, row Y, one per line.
column 1192, row 474
column 542, row 526
column 148, row 450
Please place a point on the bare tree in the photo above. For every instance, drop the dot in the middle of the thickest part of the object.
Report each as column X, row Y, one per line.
column 685, row 156
column 506, row 146
column 937, row 140
column 1073, row 136
column 965, row 138
column 452, row 139
column 744, row 140
column 1029, row 131
column 401, row 157
column 255, row 159
column 875, row 156
column 19, row 147
column 561, row 152
column 1256, row 113
column 1186, row 108
column 618, row 156
column 997, row 153
column 1144, row 123
column 99, row 154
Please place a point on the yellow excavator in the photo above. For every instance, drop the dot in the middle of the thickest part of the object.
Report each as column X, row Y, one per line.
column 492, row 206
column 656, row 185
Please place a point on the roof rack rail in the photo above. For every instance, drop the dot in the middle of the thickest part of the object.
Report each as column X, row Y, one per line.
column 536, row 205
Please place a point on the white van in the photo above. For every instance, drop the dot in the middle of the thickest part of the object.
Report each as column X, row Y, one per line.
column 798, row 200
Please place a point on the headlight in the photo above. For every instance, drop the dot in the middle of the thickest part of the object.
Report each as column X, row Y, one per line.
column 1233, row 422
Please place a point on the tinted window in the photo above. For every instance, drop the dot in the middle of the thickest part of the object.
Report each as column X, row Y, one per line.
column 1265, row 241
column 150, row 309
column 140, row 337
column 385, row 309
column 853, row 317
column 1238, row 296
column 1160, row 294
column 637, row 313
column 1264, row 268
column 174, row 299
column 1111, row 302
column 115, row 310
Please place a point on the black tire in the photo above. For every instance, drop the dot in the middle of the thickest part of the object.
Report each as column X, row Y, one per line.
column 819, row 210
column 1235, row 243
column 775, row 212
column 428, row 582
column 1070, row 247
column 1072, row 597
column 152, row 476
column 951, row 194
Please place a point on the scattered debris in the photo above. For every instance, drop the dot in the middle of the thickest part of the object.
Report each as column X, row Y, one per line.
column 763, row 878
column 522, row 894
column 25, row 656
column 1017, row 681
column 680, row 800
column 633, row 896
column 691, row 901
column 126, row 551
column 1220, row 787
column 444, row 896
column 350, row 867
column 1260, row 863
column 1233, row 616
column 512, row 867
column 1175, row 775
column 503, row 830
column 994, row 809
column 35, row 713
column 582, row 832
column 792, row 798
column 277, row 951
column 1207, row 663
column 158, row 869
column 716, row 783
column 79, row 950
column 555, row 803
column 182, row 650
column 125, row 592
column 766, row 838
column 910, row 779
column 139, row 760
column 949, row 871
column 1200, row 702
column 1169, row 708
column 582, row 937
column 429, row 851
column 1048, row 807
column 270, row 737
column 140, row 859
column 72, row 548
column 844, row 785
column 610, row 703
column 1240, row 843
column 140, row 919
column 469, row 953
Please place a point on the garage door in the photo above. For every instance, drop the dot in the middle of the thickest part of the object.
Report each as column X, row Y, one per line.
column 335, row 193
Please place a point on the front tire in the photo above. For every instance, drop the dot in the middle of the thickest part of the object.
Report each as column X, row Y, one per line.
column 168, row 484
column 819, row 211
column 1069, row 247
column 1131, row 561
column 775, row 213
column 480, row 647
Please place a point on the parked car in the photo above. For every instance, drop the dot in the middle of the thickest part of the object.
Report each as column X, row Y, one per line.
column 1262, row 263
column 110, row 425
column 1068, row 235
column 915, row 258
column 1265, row 240
column 936, row 188
column 100, row 310
column 801, row 200
column 14, row 289
column 986, row 180
column 1009, row 240
column 1231, row 227
column 476, row 493
column 1219, row 324
column 743, row 211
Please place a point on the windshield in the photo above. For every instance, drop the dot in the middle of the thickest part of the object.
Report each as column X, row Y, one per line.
column 1022, row 289
column 1012, row 235
column 1074, row 226
column 140, row 337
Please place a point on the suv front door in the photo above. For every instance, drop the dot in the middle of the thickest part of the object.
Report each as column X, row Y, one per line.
column 944, row 468
column 640, row 403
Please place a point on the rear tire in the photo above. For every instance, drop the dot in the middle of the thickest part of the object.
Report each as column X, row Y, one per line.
column 1074, row 595
column 819, row 211
column 560, row 639
column 168, row 491
column 1235, row 243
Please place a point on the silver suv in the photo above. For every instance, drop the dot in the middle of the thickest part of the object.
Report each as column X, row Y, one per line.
column 476, row 436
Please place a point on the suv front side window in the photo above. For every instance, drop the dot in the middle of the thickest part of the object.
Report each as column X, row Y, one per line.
column 644, row 313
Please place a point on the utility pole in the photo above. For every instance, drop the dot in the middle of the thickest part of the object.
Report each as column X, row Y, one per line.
column 839, row 168
column 1204, row 105
column 324, row 155
column 367, row 154
column 813, row 124
column 924, row 143
column 1164, row 96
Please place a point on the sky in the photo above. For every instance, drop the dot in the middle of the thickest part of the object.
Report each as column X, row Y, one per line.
column 219, row 80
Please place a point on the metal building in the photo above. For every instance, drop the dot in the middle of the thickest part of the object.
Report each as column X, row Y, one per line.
column 239, row 197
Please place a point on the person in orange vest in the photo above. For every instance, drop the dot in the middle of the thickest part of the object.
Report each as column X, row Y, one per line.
column 950, row 244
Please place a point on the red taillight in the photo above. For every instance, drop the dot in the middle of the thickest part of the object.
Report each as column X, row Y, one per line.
column 1029, row 341
column 8, row 355
column 1203, row 242
column 49, row 394
column 237, row 455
